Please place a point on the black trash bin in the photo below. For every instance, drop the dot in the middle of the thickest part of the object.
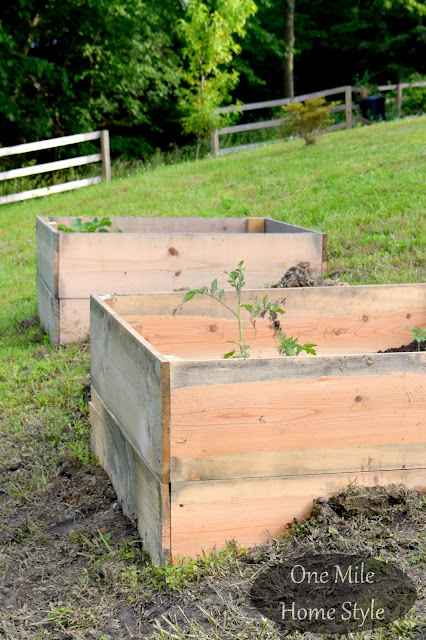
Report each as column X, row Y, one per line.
column 373, row 107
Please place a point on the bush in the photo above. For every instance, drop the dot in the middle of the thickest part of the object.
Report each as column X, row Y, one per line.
column 307, row 120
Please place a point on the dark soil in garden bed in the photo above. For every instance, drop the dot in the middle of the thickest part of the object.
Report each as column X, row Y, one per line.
column 409, row 348
column 301, row 276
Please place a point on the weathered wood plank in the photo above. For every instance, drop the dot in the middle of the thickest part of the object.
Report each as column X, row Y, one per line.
column 47, row 255
column 251, row 126
column 294, row 427
column 164, row 224
column 143, row 498
column 48, row 311
column 191, row 374
column 105, row 155
column 281, row 102
column 49, row 166
column 296, row 462
column 276, row 226
column 74, row 323
column 49, row 144
column 172, row 261
column 129, row 377
column 205, row 514
column 45, row 191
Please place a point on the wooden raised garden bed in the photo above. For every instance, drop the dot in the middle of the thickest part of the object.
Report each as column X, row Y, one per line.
column 201, row 450
column 157, row 254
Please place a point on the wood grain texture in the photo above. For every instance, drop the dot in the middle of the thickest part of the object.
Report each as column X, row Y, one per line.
column 204, row 338
column 47, row 254
column 165, row 224
column 299, row 303
column 129, row 263
column 205, row 514
column 48, row 312
column 128, row 376
column 295, row 427
column 192, row 374
column 142, row 497
column 255, row 225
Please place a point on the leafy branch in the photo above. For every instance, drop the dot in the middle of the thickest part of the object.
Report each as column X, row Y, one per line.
column 291, row 346
column 88, row 227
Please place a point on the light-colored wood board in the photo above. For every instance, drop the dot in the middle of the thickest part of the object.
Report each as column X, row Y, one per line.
column 166, row 262
column 255, row 428
column 206, row 514
column 49, row 144
column 128, row 377
column 255, row 225
column 48, row 311
column 47, row 255
column 49, row 166
column 143, row 498
column 309, row 302
column 45, row 191
column 198, row 337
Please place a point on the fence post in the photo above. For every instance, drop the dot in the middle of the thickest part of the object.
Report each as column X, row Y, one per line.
column 399, row 99
column 106, row 160
column 348, row 106
column 214, row 143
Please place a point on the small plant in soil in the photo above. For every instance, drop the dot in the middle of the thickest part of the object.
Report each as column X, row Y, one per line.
column 88, row 227
column 291, row 346
column 258, row 309
column 288, row 346
column 419, row 335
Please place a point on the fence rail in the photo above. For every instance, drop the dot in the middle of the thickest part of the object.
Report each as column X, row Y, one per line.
column 349, row 107
column 103, row 156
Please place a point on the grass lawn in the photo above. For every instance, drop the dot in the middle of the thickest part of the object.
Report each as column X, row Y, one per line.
column 70, row 564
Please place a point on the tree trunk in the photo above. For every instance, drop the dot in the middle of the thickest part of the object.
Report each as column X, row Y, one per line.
column 288, row 60
column 197, row 149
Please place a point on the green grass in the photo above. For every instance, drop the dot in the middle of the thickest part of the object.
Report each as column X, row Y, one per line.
column 365, row 188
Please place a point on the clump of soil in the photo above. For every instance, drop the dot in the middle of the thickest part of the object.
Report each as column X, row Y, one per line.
column 409, row 348
column 301, row 276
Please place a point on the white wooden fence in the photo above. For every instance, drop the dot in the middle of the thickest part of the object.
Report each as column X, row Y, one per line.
column 348, row 107
column 103, row 156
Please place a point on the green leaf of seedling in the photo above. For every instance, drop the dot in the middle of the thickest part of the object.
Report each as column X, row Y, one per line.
column 249, row 307
column 230, row 354
column 213, row 287
column 309, row 348
column 189, row 295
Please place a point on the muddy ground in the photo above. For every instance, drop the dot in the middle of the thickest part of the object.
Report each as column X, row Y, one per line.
column 72, row 565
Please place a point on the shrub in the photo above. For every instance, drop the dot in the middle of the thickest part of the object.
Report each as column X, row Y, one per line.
column 307, row 120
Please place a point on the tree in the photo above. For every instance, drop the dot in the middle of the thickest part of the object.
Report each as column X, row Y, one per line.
column 288, row 60
column 74, row 65
column 209, row 47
